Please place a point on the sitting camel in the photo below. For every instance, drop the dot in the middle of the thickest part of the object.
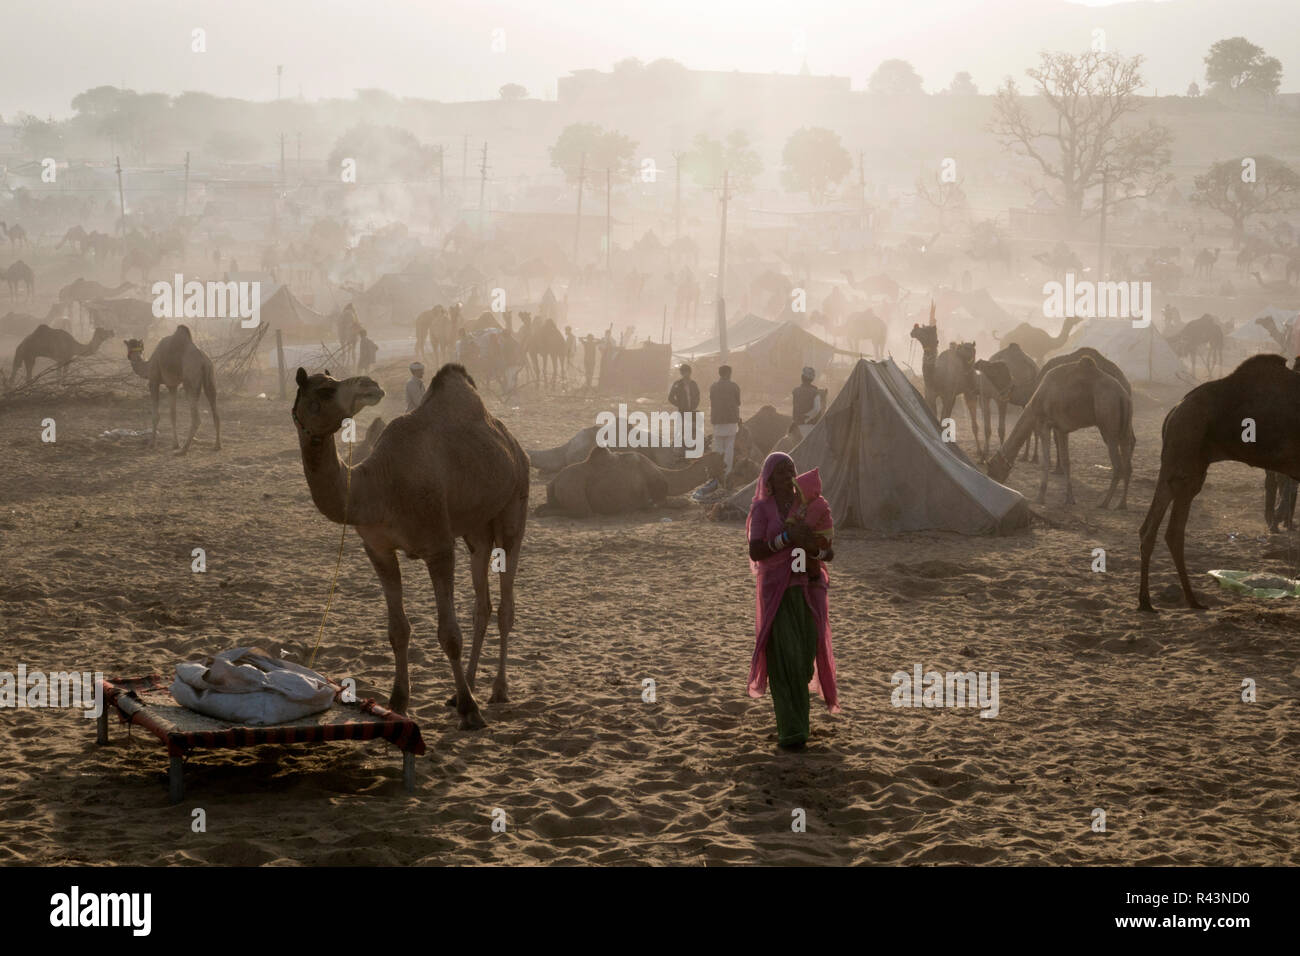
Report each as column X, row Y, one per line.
column 447, row 470
column 176, row 362
column 1074, row 396
column 1205, row 427
column 612, row 482
column 56, row 344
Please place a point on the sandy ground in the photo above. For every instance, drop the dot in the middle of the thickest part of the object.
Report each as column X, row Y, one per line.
column 1101, row 707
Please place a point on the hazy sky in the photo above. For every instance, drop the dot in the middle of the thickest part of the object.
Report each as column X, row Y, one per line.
column 52, row 49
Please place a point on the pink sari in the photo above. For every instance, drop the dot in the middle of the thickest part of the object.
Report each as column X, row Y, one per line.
column 774, row 575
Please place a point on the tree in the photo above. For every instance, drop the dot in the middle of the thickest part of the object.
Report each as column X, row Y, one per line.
column 962, row 85
column 512, row 91
column 709, row 158
column 1245, row 187
column 1083, row 140
column 1193, row 89
column 944, row 196
column 604, row 149
column 38, row 137
column 813, row 160
column 1236, row 66
column 895, row 77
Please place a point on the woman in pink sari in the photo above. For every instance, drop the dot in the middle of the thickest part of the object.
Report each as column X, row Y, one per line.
column 792, row 631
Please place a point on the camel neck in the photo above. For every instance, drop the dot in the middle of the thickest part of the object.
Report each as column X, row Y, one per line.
column 331, row 481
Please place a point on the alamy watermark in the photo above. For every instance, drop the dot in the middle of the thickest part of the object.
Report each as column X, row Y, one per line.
column 951, row 689
column 80, row 690
column 1086, row 299
column 211, row 300
column 651, row 430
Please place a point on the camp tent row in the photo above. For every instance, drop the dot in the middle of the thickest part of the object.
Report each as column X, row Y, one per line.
column 759, row 349
column 885, row 467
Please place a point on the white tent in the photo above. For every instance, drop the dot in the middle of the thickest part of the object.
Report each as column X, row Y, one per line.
column 1142, row 355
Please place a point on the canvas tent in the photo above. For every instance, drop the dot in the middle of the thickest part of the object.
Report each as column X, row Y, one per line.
column 285, row 311
column 740, row 333
column 1142, row 355
column 885, row 468
column 776, row 356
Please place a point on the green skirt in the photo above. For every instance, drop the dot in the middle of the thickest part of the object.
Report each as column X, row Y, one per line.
column 791, row 653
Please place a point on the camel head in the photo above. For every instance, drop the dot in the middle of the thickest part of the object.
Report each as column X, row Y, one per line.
column 134, row 347
column 965, row 351
column 323, row 402
column 927, row 335
column 99, row 337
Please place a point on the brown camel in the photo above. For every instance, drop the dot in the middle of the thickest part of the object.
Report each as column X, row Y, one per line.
column 177, row 362
column 948, row 375
column 543, row 343
column 20, row 273
column 56, row 344
column 447, row 470
column 1204, row 262
column 1036, row 343
column 761, row 432
column 1069, row 358
column 1013, row 384
column 425, row 323
column 1209, row 425
column 613, row 482
column 862, row 325
column 686, row 296
column 1070, row 397
column 16, row 235
column 1203, row 333
column 1281, row 336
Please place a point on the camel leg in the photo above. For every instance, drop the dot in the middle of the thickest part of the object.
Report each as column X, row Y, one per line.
column 399, row 628
column 480, row 555
column 1175, row 535
column 1064, row 462
column 442, row 572
column 975, row 425
column 194, row 418
column 1002, row 424
column 155, row 392
column 1061, row 441
column 1046, row 431
column 1150, row 528
column 171, row 394
column 216, row 419
column 1116, row 470
column 511, row 538
column 1126, row 450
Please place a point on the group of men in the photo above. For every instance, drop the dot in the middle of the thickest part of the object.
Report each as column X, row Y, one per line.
column 724, row 406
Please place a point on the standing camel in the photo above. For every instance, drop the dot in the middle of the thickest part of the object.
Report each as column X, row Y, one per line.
column 1207, row 426
column 1070, row 397
column 447, row 470
column 1203, row 333
column 20, row 273
column 56, row 344
column 1014, row 388
column 16, row 235
column 948, row 375
column 177, row 361
column 1204, row 262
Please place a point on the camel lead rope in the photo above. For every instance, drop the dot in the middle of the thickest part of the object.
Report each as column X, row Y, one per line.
column 338, row 563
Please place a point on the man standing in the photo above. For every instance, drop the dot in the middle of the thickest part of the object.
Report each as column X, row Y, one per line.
column 685, row 397
column 724, row 414
column 415, row 387
column 366, row 350
column 806, row 403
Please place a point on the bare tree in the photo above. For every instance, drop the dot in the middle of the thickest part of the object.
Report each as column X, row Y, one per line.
column 1251, row 186
column 945, row 196
column 1089, row 94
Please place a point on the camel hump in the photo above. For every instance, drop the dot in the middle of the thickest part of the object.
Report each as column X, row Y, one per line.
column 183, row 333
column 598, row 453
column 1086, row 363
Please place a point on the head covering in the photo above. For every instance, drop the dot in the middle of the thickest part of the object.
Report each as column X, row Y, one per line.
column 761, row 490
column 417, row 367
column 809, row 373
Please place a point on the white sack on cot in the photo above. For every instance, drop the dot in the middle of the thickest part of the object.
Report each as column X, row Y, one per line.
column 246, row 685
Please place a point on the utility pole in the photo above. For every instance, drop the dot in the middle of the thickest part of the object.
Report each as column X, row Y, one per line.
column 1101, row 236
column 722, row 267
column 185, row 201
column 609, row 238
column 482, row 186
column 121, row 200
column 279, row 72
column 577, row 225
column 284, row 175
